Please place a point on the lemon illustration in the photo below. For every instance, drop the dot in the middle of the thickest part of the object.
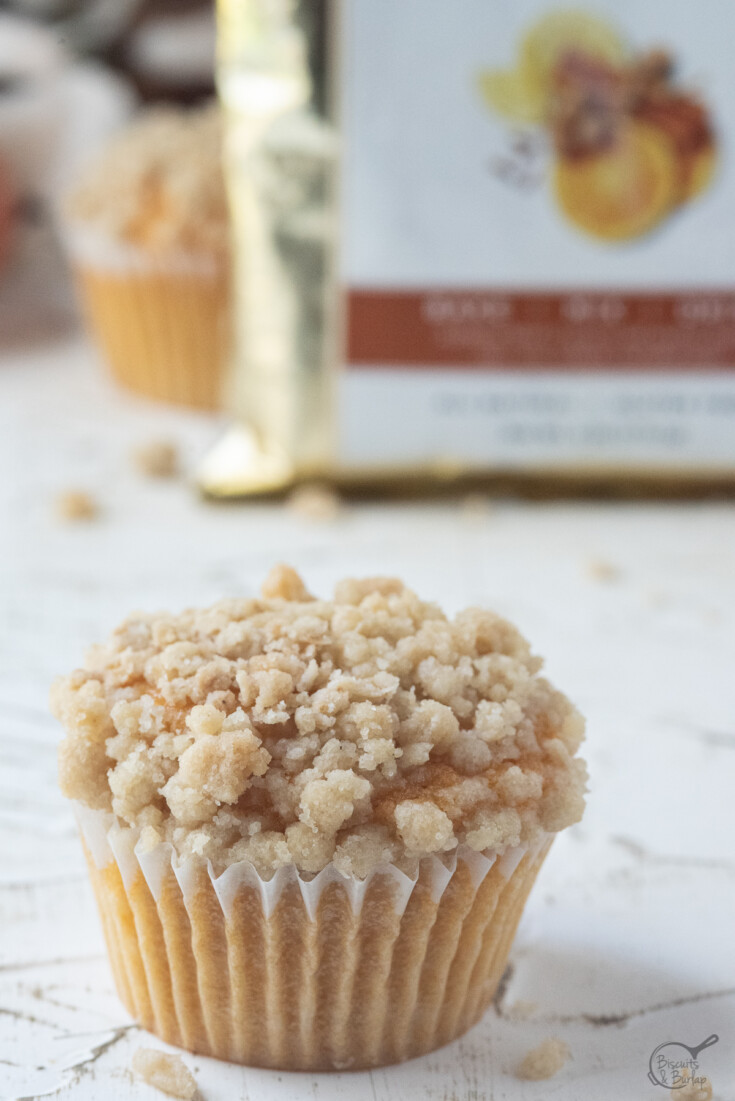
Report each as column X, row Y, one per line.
column 515, row 94
column 700, row 173
column 625, row 191
column 521, row 94
column 564, row 31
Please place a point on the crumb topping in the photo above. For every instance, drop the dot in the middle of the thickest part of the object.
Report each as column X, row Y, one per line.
column 159, row 184
column 290, row 730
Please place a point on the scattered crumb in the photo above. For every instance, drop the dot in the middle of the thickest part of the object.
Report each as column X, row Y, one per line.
column 157, row 459
column 314, row 501
column 544, row 1061
column 600, row 570
column 167, row 1073
column 475, row 506
column 76, row 504
column 520, row 1011
column 698, row 1088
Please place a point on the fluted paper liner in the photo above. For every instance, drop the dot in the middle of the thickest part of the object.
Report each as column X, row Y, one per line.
column 323, row 973
column 161, row 323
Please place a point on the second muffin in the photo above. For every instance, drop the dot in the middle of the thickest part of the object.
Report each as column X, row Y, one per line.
column 311, row 826
column 148, row 233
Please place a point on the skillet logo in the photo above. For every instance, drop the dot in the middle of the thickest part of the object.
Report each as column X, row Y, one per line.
column 675, row 1065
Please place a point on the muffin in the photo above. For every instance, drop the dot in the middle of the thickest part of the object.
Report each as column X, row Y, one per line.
column 147, row 232
column 311, row 826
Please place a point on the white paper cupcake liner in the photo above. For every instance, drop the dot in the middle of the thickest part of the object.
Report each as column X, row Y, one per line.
column 326, row 972
column 89, row 246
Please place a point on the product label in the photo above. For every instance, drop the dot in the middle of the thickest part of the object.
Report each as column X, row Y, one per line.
column 538, row 256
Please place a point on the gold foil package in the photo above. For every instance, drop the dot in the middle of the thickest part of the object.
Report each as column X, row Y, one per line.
column 495, row 240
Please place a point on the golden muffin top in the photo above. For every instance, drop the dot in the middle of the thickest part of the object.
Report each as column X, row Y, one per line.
column 366, row 729
column 159, row 184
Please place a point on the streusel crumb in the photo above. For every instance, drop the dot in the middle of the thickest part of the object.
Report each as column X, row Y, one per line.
column 314, row 501
column 291, row 730
column 521, row 1010
column 544, row 1061
column 76, row 504
column 690, row 1087
column 598, row 569
column 157, row 459
column 167, row 1073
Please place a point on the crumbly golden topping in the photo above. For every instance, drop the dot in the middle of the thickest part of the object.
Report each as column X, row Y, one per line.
column 290, row 730
column 159, row 184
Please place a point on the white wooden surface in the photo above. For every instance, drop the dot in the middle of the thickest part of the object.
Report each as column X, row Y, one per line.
column 627, row 941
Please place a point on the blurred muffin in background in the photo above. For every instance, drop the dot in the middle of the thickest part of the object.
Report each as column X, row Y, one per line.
column 147, row 231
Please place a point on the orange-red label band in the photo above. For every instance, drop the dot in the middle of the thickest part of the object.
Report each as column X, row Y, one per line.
column 600, row 330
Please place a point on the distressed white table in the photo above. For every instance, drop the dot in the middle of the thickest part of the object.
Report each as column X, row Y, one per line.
column 627, row 941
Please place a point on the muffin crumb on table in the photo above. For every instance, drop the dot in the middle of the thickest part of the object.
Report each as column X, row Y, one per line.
column 544, row 1061
column 157, row 459
column 476, row 506
column 599, row 569
column 692, row 1087
column 520, row 1010
column 294, row 731
column 72, row 505
column 164, row 1072
column 314, row 501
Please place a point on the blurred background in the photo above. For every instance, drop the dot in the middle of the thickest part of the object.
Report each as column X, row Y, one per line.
column 517, row 241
